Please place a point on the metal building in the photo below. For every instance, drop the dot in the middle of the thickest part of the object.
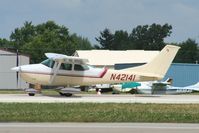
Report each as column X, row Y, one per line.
column 183, row 74
column 10, row 79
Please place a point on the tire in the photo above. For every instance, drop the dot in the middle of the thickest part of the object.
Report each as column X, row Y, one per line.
column 133, row 91
column 68, row 94
column 62, row 94
column 31, row 94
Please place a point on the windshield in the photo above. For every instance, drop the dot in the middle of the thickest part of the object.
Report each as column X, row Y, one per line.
column 48, row 62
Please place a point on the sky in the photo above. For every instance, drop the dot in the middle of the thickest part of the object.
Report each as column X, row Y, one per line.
column 88, row 17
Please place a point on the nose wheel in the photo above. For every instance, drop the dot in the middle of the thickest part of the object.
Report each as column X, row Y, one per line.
column 31, row 91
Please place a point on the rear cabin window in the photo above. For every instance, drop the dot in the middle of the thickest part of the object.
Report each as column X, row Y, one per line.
column 78, row 67
column 49, row 63
column 65, row 66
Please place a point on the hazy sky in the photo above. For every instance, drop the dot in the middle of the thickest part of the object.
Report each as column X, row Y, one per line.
column 88, row 17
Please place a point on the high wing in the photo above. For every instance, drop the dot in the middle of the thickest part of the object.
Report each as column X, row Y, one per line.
column 66, row 59
column 60, row 58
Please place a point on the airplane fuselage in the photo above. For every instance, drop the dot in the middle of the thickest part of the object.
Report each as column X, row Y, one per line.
column 41, row 74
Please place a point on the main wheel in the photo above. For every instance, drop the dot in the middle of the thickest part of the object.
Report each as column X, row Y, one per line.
column 62, row 94
column 31, row 94
column 133, row 91
column 68, row 94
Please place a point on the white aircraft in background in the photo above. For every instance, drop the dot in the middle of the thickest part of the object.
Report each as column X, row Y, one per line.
column 186, row 89
column 154, row 87
column 164, row 88
column 138, row 87
column 62, row 70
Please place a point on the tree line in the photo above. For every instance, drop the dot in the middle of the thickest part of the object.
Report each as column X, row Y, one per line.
column 35, row 40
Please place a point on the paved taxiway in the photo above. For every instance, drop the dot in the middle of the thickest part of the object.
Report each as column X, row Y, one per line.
column 175, row 99
column 97, row 127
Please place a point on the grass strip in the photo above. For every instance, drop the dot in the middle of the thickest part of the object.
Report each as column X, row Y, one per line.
column 95, row 112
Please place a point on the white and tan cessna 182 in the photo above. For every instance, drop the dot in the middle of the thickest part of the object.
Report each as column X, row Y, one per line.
column 62, row 70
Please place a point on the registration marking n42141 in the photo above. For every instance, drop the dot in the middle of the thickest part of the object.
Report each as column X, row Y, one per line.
column 122, row 77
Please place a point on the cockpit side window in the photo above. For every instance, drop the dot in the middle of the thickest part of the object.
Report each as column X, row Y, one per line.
column 49, row 63
column 65, row 66
column 78, row 67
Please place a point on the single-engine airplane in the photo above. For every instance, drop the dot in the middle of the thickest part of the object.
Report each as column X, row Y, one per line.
column 62, row 70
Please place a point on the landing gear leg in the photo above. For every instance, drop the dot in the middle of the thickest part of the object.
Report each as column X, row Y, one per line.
column 32, row 92
column 38, row 88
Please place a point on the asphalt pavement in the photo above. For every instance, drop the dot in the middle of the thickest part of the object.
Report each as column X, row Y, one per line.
column 94, row 98
column 98, row 128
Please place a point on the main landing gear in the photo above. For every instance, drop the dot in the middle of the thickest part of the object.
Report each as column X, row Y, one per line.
column 66, row 94
column 68, row 91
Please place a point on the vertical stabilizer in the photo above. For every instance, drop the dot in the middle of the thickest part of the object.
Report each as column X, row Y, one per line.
column 160, row 64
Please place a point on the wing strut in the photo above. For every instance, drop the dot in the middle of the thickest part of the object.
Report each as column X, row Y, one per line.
column 54, row 71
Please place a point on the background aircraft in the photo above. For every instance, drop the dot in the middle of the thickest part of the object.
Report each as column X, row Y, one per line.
column 186, row 89
column 154, row 87
column 62, row 70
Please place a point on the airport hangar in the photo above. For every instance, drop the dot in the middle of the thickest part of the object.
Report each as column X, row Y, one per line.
column 8, row 78
column 183, row 74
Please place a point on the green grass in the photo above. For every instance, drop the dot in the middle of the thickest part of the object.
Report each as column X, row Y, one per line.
column 54, row 92
column 93, row 112
column 20, row 91
column 44, row 91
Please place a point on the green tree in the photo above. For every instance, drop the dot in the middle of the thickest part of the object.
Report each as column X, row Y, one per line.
column 117, row 41
column 80, row 42
column 105, row 39
column 121, row 40
column 22, row 35
column 150, row 37
column 139, row 36
column 4, row 43
column 46, row 37
column 188, row 52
